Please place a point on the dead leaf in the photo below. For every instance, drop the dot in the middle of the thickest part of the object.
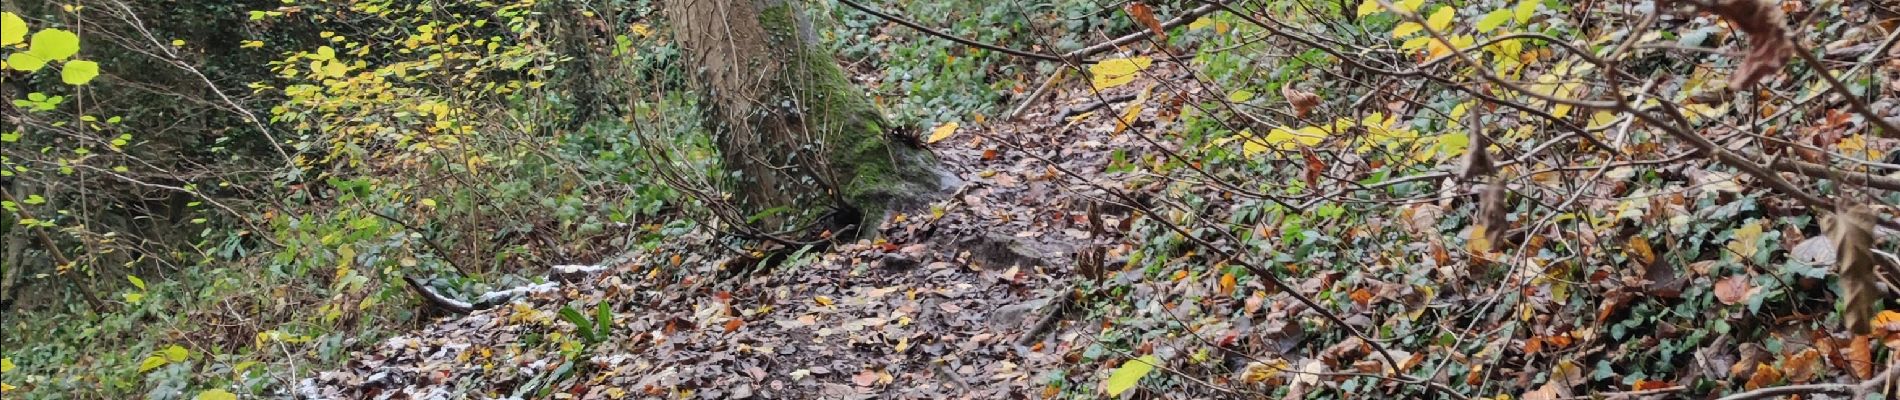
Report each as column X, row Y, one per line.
column 734, row 324
column 1732, row 290
column 1765, row 375
column 1853, row 233
column 1765, row 25
column 1145, row 16
column 1860, row 357
column 1362, row 296
column 1227, row 284
column 1802, row 366
column 1303, row 101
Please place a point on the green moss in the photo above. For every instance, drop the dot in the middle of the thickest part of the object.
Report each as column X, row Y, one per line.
column 873, row 172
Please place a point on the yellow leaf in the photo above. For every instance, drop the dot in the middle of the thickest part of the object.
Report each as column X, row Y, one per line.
column 1368, row 7
column 252, row 44
column 1406, row 29
column 1116, row 72
column 823, row 300
column 1128, row 118
column 943, row 132
column 1130, row 373
column 1745, row 241
column 150, row 363
column 1200, row 23
column 6, row 365
column 175, row 353
column 12, row 29
column 216, row 394
column 1479, row 243
column 1441, row 19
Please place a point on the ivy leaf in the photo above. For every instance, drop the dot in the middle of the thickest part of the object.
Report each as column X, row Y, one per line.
column 78, row 72
column 942, row 132
column 12, row 29
column 54, row 44
column 1494, row 19
column 1130, row 373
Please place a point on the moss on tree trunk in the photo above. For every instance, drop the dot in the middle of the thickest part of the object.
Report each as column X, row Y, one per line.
column 798, row 135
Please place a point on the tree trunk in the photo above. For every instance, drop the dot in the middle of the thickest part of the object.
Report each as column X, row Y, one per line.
column 795, row 135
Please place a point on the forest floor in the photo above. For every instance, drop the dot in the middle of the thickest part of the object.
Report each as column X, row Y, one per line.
column 965, row 300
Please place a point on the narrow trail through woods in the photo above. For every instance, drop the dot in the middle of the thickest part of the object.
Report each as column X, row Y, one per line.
column 971, row 298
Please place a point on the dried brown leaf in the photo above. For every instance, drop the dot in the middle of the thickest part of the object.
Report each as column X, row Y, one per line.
column 1766, row 27
column 1732, row 290
column 1303, row 102
column 1852, row 230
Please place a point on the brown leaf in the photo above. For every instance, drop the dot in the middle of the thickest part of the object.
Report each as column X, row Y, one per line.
column 1765, row 25
column 1314, row 167
column 1732, row 290
column 1860, row 357
column 1853, row 233
column 1345, row 352
column 1493, row 210
column 1146, row 17
column 1303, row 101
column 865, row 378
column 1477, row 161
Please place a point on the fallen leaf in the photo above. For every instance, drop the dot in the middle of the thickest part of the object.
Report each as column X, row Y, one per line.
column 1732, row 290
column 1227, row 284
column 1303, row 101
column 734, row 324
column 1860, row 357
column 942, row 132
column 1118, row 71
column 1130, row 373
column 1802, row 366
column 1765, row 375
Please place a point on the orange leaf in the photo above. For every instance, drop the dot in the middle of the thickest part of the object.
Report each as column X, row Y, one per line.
column 1765, row 375
column 734, row 324
column 1362, row 296
column 1801, row 366
column 1860, row 355
column 1145, row 16
column 1227, row 284
column 1645, row 384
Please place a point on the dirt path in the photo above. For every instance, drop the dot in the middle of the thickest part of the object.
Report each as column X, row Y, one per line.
column 943, row 309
